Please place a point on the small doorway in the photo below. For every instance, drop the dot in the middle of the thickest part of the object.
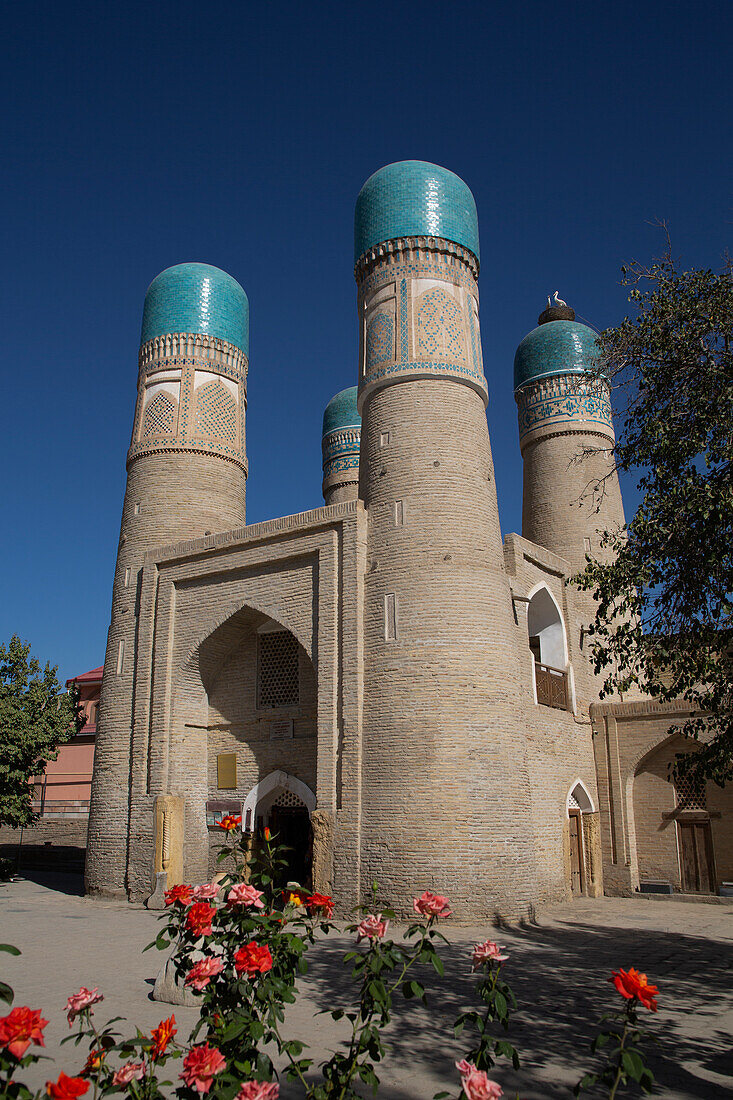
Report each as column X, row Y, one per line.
column 577, row 878
column 696, row 857
column 289, row 821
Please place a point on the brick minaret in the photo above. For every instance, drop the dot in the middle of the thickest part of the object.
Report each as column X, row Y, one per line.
column 565, row 414
column 445, row 799
column 340, row 442
column 186, row 476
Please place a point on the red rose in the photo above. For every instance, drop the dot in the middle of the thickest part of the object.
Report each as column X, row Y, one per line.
column 161, row 1036
column 179, row 895
column 252, row 959
column 199, row 917
column 229, row 823
column 632, row 984
column 320, row 904
column 20, row 1028
column 66, row 1088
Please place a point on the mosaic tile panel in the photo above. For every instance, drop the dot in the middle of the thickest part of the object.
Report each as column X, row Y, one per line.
column 160, row 416
column 415, row 198
column 196, row 298
column 216, row 413
column 440, row 327
column 380, row 338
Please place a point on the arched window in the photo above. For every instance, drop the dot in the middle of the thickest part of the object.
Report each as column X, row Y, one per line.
column 547, row 644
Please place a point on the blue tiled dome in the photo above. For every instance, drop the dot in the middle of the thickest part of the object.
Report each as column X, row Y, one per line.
column 413, row 198
column 341, row 412
column 557, row 347
column 197, row 298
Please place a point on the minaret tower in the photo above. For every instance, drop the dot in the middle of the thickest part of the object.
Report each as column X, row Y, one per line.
column 340, row 442
column 445, row 798
column 186, row 476
column 571, row 491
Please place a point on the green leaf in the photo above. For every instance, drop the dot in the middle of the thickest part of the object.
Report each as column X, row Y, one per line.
column 10, row 949
column 632, row 1064
column 6, row 993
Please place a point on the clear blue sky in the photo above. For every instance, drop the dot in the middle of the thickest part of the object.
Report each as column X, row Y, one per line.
column 136, row 136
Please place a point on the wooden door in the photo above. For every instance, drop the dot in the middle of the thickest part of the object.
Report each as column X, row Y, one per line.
column 576, row 854
column 696, row 857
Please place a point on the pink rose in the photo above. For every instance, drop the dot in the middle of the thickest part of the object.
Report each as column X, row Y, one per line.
column 201, row 1065
column 258, row 1090
column 203, row 971
column 371, row 928
column 131, row 1071
column 431, row 905
column 487, row 952
column 244, row 894
column 206, row 891
column 476, row 1085
column 80, row 1001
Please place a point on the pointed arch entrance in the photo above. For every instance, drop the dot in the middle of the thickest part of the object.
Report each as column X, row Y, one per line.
column 283, row 803
column 583, row 841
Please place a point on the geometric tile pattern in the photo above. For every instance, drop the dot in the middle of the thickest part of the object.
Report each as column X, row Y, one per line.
column 196, row 298
column 563, row 399
column 440, row 327
column 380, row 339
column 216, row 412
column 160, row 416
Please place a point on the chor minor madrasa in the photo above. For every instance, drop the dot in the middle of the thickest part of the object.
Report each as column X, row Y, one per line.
column 396, row 691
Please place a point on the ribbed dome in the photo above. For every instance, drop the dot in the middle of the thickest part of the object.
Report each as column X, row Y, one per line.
column 197, row 298
column 341, row 412
column 413, row 198
column 557, row 347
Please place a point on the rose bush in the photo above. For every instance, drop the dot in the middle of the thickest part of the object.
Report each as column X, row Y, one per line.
column 240, row 944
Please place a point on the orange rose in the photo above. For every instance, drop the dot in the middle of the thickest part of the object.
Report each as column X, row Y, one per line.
column 632, row 984
column 253, row 958
column 229, row 823
column 161, row 1036
column 320, row 905
column 20, row 1028
column 179, row 895
column 66, row 1088
column 199, row 917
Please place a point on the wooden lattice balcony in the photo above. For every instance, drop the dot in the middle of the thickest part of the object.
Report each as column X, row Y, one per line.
column 552, row 687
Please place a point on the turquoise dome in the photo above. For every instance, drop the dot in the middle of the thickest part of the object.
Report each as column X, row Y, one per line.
column 341, row 412
column 413, row 198
column 557, row 347
column 196, row 298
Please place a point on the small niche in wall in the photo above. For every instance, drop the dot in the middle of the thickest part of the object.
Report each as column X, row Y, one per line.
column 121, row 656
column 137, row 508
column 127, row 577
column 399, row 513
column 226, row 771
column 390, row 617
column 586, row 545
column 384, row 439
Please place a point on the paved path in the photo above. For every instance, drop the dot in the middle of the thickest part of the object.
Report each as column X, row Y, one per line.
column 558, row 968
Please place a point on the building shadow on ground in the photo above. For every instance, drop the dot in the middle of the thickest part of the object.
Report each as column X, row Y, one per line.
column 559, row 973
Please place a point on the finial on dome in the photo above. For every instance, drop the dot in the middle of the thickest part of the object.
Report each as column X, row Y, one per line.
column 556, row 310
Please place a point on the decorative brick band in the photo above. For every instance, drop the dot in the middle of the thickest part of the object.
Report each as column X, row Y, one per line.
column 417, row 251
column 569, row 401
column 162, row 351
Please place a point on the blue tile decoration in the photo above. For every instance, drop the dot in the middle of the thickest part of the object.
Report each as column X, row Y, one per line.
column 380, row 339
column 440, row 326
column 341, row 433
column 564, row 399
column 557, row 347
column 197, row 298
column 413, row 198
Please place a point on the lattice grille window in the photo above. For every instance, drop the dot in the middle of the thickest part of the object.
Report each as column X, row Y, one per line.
column 287, row 798
column 160, row 416
column 216, row 412
column 690, row 795
column 573, row 803
column 278, row 684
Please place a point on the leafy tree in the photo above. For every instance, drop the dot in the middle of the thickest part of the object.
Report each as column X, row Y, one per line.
column 665, row 597
column 36, row 716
